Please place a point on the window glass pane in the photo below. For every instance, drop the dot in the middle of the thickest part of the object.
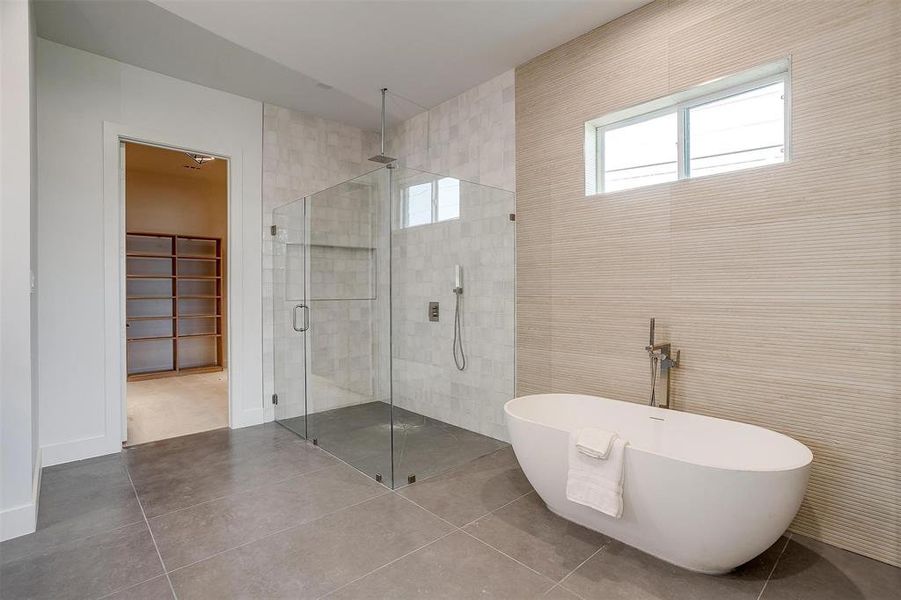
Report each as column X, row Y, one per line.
column 640, row 154
column 738, row 132
column 419, row 204
column 448, row 198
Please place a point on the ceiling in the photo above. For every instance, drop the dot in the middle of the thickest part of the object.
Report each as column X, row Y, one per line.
column 327, row 57
column 173, row 163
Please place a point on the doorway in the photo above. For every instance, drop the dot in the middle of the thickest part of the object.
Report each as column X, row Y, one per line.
column 175, row 257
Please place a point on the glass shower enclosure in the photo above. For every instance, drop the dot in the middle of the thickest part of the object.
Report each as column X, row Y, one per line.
column 372, row 280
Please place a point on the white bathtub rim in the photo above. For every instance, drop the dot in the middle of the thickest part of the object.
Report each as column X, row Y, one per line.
column 634, row 448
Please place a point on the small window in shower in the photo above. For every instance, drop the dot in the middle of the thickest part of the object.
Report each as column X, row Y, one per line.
column 431, row 202
column 419, row 205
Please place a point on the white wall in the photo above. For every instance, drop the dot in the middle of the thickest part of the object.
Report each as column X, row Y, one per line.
column 76, row 93
column 18, row 410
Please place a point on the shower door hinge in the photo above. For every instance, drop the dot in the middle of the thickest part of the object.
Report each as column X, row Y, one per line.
column 512, row 216
column 275, row 398
column 273, row 230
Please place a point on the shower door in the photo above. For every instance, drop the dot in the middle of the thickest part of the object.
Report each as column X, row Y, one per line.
column 291, row 316
column 348, row 400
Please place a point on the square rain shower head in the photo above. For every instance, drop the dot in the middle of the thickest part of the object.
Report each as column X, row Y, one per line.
column 381, row 158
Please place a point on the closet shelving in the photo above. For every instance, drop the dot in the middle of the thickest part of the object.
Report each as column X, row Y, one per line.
column 173, row 304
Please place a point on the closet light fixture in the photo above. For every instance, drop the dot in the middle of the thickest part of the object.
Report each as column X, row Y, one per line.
column 200, row 159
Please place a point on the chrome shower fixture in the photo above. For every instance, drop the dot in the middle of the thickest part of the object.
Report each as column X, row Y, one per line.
column 381, row 157
column 459, row 354
column 662, row 362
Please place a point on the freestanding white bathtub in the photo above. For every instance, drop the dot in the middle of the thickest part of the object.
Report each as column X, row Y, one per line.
column 702, row 493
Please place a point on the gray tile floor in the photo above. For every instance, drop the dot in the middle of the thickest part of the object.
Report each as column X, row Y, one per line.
column 258, row 513
column 424, row 447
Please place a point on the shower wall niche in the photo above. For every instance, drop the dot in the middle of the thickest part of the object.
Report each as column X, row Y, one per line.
column 359, row 368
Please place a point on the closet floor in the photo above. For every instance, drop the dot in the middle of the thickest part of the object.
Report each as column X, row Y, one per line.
column 169, row 407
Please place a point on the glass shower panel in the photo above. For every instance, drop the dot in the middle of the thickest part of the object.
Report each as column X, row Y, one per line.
column 348, row 406
column 290, row 316
column 447, row 413
column 394, row 316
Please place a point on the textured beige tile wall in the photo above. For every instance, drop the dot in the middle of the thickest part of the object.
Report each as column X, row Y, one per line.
column 781, row 285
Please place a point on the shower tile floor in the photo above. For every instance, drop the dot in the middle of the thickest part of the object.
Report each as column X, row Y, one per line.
column 424, row 447
column 257, row 513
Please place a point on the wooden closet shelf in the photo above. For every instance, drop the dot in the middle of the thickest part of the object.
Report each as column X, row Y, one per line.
column 149, row 234
column 151, row 374
column 202, row 369
column 151, row 318
column 193, row 274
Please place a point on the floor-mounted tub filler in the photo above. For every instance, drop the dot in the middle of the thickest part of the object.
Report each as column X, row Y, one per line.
column 702, row 493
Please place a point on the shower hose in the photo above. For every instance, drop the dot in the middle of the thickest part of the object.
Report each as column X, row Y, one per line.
column 459, row 355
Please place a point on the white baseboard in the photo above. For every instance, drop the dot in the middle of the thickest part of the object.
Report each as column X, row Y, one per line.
column 63, row 452
column 22, row 520
column 246, row 418
column 16, row 521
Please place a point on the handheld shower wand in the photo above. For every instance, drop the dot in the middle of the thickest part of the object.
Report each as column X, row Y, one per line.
column 460, row 360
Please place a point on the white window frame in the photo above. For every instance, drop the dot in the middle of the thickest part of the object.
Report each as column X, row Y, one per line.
column 405, row 213
column 680, row 104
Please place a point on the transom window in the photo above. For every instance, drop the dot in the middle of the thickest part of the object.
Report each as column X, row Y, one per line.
column 431, row 202
column 733, row 123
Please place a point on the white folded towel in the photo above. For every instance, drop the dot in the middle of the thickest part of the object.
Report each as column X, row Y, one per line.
column 594, row 482
column 593, row 442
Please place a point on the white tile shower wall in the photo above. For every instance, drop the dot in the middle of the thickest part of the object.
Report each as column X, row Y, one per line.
column 470, row 137
column 302, row 155
column 425, row 377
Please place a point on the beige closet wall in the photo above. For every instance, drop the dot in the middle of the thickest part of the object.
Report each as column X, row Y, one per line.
column 781, row 285
column 160, row 199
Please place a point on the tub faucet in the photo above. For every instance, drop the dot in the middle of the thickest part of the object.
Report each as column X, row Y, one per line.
column 662, row 362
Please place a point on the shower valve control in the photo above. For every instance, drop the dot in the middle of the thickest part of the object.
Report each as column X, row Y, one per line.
column 433, row 311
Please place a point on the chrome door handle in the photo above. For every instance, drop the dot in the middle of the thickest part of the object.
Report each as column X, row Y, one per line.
column 306, row 318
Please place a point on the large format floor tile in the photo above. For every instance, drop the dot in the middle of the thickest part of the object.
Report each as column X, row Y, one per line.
column 527, row 531
column 78, row 500
column 87, row 568
column 314, row 558
column 155, row 589
column 257, row 513
column 620, row 572
column 811, row 570
column 182, row 472
column 473, row 490
column 192, row 534
column 454, row 567
column 560, row 593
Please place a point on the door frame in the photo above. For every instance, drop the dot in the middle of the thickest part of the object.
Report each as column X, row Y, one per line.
column 114, row 268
